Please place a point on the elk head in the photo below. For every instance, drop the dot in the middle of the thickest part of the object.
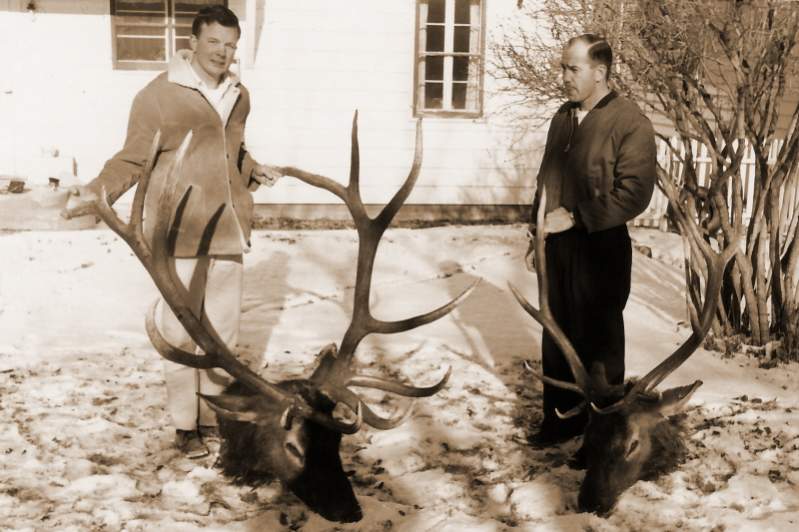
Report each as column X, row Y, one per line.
column 629, row 436
column 639, row 441
column 261, row 443
column 286, row 430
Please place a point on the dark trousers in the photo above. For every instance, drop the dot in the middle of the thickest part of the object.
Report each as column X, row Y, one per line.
column 589, row 282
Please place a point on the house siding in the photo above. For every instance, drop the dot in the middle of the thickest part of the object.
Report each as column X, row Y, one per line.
column 309, row 65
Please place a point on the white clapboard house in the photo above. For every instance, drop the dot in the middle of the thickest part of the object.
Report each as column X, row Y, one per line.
column 71, row 69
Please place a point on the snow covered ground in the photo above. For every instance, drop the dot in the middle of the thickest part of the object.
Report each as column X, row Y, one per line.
column 85, row 443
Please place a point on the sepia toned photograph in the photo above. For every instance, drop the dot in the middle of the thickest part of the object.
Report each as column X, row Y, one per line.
column 399, row 265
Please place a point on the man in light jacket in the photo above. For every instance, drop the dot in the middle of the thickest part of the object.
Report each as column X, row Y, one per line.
column 599, row 172
column 197, row 94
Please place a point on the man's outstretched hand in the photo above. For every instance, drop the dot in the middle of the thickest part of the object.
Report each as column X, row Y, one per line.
column 265, row 174
column 80, row 202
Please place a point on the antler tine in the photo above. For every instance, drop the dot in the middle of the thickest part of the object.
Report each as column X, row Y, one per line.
column 387, row 385
column 132, row 231
column 382, row 423
column 354, row 402
column 170, row 352
column 561, row 384
column 615, row 407
column 137, row 210
column 571, row 412
column 555, row 382
column 390, row 210
column 618, row 405
column 355, row 203
column 544, row 315
column 315, row 180
column 350, row 195
column 390, row 327
column 716, row 266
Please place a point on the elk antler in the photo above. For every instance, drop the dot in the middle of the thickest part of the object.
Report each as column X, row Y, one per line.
column 334, row 373
column 582, row 384
column 155, row 258
column 716, row 264
column 590, row 386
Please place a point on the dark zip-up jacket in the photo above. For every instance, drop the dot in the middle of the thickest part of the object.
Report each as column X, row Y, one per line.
column 602, row 170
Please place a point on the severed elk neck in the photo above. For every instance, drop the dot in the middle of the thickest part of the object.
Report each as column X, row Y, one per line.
column 285, row 429
column 628, row 432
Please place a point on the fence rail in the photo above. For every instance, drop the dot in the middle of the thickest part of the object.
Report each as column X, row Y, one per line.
column 655, row 213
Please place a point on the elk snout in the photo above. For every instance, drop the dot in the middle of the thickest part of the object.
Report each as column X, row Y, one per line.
column 323, row 484
column 600, row 489
column 593, row 503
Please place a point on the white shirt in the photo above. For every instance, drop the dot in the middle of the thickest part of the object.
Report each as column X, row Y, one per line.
column 215, row 96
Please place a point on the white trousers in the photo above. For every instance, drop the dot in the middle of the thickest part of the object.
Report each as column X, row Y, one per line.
column 215, row 288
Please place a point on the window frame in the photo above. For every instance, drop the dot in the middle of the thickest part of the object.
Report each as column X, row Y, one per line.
column 170, row 38
column 420, row 55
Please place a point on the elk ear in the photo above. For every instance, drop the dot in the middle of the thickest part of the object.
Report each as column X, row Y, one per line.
column 235, row 407
column 673, row 400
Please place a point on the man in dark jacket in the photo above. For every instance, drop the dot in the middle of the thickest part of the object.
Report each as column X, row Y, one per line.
column 197, row 94
column 598, row 170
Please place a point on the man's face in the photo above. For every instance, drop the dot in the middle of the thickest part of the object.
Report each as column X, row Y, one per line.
column 214, row 49
column 580, row 76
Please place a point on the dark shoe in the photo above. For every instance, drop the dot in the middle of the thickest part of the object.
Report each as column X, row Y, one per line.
column 553, row 433
column 571, row 431
column 190, row 444
column 545, row 438
column 209, row 432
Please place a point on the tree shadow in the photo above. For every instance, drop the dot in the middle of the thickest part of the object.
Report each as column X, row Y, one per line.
column 500, row 336
column 485, row 340
column 492, row 332
column 495, row 335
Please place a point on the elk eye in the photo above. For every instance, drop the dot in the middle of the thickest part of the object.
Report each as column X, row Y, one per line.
column 633, row 447
column 292, row 449
column 285, row 419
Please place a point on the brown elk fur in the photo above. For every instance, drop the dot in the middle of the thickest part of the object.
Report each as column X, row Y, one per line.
column 254, row 454
column 610, row 467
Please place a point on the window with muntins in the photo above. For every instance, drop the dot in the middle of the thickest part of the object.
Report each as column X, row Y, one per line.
column 449, row 58
column 146, row 34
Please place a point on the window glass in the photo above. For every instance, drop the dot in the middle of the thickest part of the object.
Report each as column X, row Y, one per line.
column 449, row 58
column 148, row 33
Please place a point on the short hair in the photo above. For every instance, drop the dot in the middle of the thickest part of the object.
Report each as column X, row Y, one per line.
column 214, row 13
column 599, row 51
